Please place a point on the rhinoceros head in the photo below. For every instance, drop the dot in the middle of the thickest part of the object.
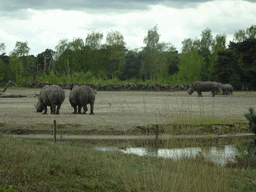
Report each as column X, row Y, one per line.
column 38, row 106
column 190, row 89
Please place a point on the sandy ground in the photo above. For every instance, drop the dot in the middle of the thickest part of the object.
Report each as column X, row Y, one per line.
column 126, row 109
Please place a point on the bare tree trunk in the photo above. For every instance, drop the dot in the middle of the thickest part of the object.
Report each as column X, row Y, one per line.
column 45, row 65
column 1, row 92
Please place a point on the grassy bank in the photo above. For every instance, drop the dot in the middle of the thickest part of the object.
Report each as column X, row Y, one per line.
column 41, row 166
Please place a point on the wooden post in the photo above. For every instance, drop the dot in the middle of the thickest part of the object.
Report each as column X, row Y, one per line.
column 54, row 131
column 156, row 139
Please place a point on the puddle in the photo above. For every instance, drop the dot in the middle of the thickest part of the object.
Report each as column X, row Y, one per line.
column 217, row 155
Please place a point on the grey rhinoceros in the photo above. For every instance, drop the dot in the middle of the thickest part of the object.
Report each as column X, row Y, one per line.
column 80, row 96
column 227, row 89
column 50, row 95
column 200, row 86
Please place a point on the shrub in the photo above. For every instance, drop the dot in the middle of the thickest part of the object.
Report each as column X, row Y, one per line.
column 246, row 157
column 251, row 117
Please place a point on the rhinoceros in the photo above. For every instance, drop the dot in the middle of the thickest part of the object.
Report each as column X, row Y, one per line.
column 50, row 95
column 80, row 96
column 227, row 89
column 200, row 86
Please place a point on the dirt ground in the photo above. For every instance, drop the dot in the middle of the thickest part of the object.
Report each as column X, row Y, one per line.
column 123, row 110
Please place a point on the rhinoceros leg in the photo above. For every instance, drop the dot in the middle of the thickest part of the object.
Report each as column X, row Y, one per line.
column 45, row 110
column 79, row 109
column 75, row 109
column 58, row 109
column 200, row 94
column 91, row 107
column 53, row 109
column 85, row 109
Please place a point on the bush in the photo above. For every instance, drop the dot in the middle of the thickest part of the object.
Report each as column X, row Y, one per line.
column 246, row 157
column 251, row 117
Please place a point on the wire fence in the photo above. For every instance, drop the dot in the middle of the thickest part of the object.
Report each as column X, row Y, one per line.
column 214, row 148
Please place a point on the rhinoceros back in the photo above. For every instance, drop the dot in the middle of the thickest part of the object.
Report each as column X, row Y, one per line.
column 85, row 95
column 53, row 95
column 81, row 95
column 205, row 85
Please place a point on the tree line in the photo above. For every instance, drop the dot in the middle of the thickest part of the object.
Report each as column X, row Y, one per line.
column 201, row 59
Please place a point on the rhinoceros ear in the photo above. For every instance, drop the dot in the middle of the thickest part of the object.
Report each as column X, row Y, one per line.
column 36, row 94
column 71, row 86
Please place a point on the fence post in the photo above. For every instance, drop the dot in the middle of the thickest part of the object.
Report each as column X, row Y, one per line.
column 156, row 139
column 54, row 131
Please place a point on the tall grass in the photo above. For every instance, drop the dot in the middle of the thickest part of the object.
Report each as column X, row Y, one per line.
column 28, row 165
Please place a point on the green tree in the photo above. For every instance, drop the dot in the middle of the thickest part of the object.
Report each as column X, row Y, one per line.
column 190, row 66
column 76, row 59
column 244, row 54
column 187, row 46
column 21, row 49
column 2, row 69
column 132, row 65
column 115, row 38
column 15, row 64
column 239, row 36
column 219, row 45
column 242, row 35
column 150, row 54
column 116, row 61
column 251, row 32
column 2, row 46
column 206, row 44
column 92, row 62
column 62, row 56
column 93, row 40
column 227, row 69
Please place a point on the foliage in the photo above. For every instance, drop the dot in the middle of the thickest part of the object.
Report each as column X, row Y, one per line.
column 5, row 71
column 10, row 189
column 158, row 60
column 227, row 69
column 93, row 40
column 204, row 58
column 132, row 66
column 251, row 117
column 2, row 46
column 190, row 67
column 246, row 157
column 242, row 35
column 21, row 48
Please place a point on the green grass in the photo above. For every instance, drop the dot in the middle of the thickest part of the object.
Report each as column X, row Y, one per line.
column 205, row 121
column 81, row 77
column 31, row 165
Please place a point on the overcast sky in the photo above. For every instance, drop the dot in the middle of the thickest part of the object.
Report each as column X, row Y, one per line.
column 42, row 23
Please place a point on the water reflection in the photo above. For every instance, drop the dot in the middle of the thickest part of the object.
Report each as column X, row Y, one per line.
column 219, row 156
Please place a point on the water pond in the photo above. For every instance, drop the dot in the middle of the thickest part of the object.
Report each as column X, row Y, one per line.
column 217, row 155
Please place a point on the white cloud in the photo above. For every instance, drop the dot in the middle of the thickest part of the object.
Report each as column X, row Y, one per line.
column 44, row 28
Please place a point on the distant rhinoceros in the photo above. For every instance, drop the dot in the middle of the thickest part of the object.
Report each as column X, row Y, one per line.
column 227, row 89
column 80, row 96
column 200, row 86
column 50, row 95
